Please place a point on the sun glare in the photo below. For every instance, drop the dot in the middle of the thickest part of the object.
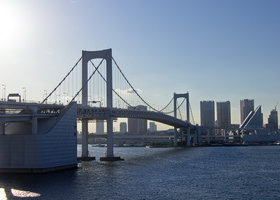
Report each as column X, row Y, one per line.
column 11, row 25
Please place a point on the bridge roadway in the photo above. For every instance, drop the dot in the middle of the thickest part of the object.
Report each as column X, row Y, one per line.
column 28, row 110
column 132, row 138
column 87, row 112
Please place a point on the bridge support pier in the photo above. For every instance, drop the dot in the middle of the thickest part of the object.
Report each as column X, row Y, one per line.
column 84, row 138
column 189, row 137
column 175, row 137
column 110, row 143
column 110, row 139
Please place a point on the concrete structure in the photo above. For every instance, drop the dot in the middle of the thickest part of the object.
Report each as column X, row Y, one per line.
column 186, row 97
column 272, row 124
column 261, row 136
column 223, row 115
column 47, row 143
column 102, row 113
column 86, row 57
column 254, row 120
column 43, row 137
column 99, row 127
column 152, row 127
column 137, row 126
column 207, row 114
column 246, row 106
column 123, row 127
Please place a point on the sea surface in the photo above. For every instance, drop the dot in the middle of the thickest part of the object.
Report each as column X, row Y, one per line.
column 251, row 172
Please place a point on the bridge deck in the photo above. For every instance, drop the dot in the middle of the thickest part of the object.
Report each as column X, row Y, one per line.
column 84, row 112
column 87, row 112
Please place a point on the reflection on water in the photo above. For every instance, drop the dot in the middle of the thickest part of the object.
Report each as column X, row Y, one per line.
column 159, row 173
column 21, row 193
column 3, row 194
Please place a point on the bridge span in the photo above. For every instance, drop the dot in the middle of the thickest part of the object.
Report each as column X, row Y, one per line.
column 87, row 112
column 84, row 94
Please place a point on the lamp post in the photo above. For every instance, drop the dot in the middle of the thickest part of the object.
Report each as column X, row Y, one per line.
column 45, row 94
column 3, row 92
column 24, row 94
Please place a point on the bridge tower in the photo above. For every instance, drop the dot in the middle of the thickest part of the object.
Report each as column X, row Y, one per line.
column 86, row 57
column 186, row 96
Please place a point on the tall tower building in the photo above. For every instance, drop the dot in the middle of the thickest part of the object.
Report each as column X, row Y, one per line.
column 137, row 126
column 223, row 115
column 246, row 106
column 207, row 113
column 254, row 120
column 273, row 120
column 99, row 126
column 123, row 127
column 153, row 127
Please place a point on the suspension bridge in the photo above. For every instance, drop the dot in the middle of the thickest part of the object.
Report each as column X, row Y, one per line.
column 89, row 82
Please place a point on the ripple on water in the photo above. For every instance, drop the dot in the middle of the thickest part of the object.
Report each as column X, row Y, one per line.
column 160, row 173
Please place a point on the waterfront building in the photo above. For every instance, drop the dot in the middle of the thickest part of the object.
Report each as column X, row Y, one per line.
column 152, row 127
column 123, row 127
column 223, row 115
column 272, row 124
column 207, row 113
column 254, row 120
column 137, row 126
column 246, row 106
column 99, row 126
column 45, row 144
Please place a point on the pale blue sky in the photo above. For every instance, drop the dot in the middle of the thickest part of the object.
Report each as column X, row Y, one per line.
column 217, row 50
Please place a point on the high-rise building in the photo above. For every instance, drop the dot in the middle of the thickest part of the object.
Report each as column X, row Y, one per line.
column 207, row 114
column 137, row 126
column 254, row 120
column 123, row 127
column 99, row 126
column 223, row 115
column 152, row 127
column 273, row 120
column 246, row 106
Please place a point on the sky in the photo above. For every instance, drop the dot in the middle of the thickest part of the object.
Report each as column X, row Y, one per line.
column 217, row 50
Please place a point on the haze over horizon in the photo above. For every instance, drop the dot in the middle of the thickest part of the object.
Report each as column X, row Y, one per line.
column 217, row 50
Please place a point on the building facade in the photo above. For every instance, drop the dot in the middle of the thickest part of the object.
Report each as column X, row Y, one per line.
column 152, row 127
column 246, row 106
column 223, row 115
column 254, row 120
column 99, row 127
column 273, row 120
column 207, row 114
column 123, row 127
column 137, row 126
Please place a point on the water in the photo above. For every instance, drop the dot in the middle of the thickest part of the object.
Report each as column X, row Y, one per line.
column 160, row 173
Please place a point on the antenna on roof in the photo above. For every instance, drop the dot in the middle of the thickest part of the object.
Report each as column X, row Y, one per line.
column 276, row 105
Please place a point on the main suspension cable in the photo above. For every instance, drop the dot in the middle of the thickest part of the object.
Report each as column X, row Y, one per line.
column 167, row 104
column 62, row 80
column 134, row 90
column 84, row 84
column 176, row 108
column 192, row 113
column 112, row 88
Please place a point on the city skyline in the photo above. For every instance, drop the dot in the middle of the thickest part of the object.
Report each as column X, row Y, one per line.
column 193, row 49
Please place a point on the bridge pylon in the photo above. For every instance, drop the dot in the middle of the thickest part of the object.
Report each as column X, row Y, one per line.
column 177, row 96
column 86, row 57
